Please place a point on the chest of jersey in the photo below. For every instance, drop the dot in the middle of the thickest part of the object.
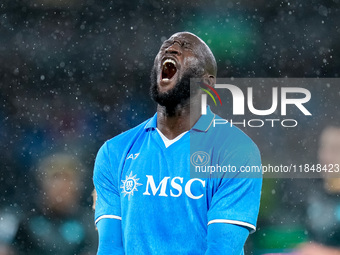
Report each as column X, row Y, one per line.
column 152, row 170
column 156, row 191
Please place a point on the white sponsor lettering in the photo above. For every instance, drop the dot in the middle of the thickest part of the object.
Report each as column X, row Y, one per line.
column 188, row 190
column 176, row 187
column 152, row 185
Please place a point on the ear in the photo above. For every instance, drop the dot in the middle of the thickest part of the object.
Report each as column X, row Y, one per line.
column 209, row 79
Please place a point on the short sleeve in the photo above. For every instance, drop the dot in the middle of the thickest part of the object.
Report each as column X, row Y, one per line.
column 237, row 200
column 106, row 184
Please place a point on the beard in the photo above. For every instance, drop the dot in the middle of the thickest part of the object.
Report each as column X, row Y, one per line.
column 179, row 94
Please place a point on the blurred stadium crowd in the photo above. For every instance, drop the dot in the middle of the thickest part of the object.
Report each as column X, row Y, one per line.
column 76, row 73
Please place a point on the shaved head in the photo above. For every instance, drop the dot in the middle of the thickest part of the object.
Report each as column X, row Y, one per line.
column 181, row 57
column 206, row 54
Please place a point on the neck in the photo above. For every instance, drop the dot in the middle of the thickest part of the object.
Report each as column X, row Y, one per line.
column 176, row 120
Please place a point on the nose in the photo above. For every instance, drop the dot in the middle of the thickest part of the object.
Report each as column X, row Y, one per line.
column 174, row 49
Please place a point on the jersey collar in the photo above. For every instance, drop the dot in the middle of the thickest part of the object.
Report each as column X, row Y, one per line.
column 152, row 123
column 203, row 123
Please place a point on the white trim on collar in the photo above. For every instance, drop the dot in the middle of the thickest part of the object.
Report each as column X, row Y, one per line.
column 168, row 142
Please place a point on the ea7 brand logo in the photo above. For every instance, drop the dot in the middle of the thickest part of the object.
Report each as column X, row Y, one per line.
column 239, row 98
column 133, row 156
column 176, row 189
column 199, row 158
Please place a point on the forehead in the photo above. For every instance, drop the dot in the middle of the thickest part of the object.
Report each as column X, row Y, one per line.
column 186, row 38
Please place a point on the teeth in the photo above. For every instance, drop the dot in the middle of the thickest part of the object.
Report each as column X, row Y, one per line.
column 165, row 79
column 169, row 61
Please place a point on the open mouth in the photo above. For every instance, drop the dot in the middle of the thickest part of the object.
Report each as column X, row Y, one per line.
column 168, row 69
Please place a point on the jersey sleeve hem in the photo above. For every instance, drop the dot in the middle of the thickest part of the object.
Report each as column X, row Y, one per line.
column 107, row 217
column 251, row 227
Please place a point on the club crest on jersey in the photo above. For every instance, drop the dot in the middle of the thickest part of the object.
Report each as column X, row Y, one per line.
column 200, row 158
column 130, row 184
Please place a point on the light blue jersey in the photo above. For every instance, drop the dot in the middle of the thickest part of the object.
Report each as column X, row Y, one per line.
column 148, row 187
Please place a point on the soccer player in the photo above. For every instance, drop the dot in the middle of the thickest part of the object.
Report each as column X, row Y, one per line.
column 146, row 201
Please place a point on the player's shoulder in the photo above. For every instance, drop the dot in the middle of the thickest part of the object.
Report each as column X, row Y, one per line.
column 114, row 149
column 111, row 155
column 128, row 136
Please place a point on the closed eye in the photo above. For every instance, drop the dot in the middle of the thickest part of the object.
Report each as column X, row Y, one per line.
column 187, row 46
column 166, row 44
column 184, row 45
